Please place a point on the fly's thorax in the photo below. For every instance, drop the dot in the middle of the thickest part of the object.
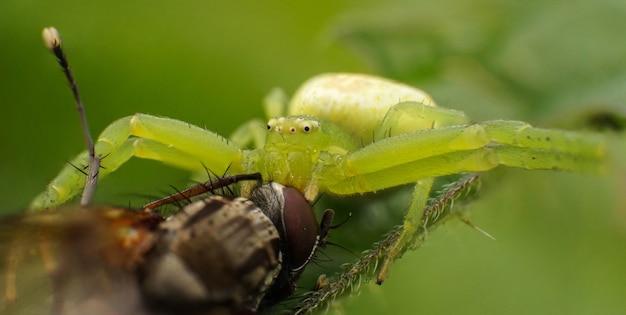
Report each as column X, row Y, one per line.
column 357, row 103
column 216, row 251
column 294, row 144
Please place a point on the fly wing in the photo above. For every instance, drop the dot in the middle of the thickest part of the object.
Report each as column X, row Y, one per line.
column 93, row 262
column 23, row 289
column 81, row 262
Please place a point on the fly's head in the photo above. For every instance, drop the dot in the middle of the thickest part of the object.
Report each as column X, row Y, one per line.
column 299, row 230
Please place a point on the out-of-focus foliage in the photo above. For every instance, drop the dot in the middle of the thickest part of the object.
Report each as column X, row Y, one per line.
column 502, row 58
column 560, row 237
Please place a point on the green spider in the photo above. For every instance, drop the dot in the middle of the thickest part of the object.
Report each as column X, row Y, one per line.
column 342, row 134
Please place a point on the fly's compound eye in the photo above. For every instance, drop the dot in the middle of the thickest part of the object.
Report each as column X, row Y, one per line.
column 295, row 220
column 300, row 234
column 301, row 228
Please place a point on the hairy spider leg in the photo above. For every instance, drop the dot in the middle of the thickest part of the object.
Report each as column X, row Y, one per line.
column 466, row 148
column 167, row 140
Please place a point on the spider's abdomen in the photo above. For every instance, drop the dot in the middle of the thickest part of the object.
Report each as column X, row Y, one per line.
column 357, row 103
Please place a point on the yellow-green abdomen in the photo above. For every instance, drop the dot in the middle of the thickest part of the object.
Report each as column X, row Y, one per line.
column 356, row 102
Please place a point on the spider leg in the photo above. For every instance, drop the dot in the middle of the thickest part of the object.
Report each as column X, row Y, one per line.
column 407, row 117
column 518, row 144
column 434, row 213
column 421, row 154
column 167, row 140
column 252, row 133
column 410, row 227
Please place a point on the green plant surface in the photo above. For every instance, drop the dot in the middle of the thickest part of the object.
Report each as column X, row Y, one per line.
column 560, row 237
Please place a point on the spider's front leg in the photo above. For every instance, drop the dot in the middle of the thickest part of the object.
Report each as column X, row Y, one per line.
column 421, row 155
column 170, row 141
column 478, row 147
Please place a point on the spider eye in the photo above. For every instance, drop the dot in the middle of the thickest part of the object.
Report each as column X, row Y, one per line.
column 271, row 123
column 292, row 129
column 307, row 125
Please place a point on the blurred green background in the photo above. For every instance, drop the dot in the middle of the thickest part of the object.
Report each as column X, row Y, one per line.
column 561, row 238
